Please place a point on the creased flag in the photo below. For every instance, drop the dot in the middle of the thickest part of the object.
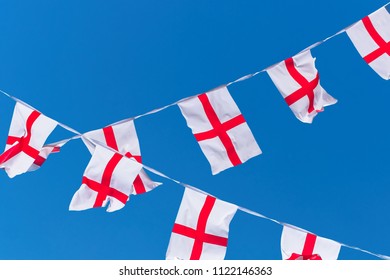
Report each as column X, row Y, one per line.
column 299, row 245
column 298, row 81
column 123, row 138
column 371, row 38
column 220, row 129
column 201, row 228
column 108, row 178
column 28, row 132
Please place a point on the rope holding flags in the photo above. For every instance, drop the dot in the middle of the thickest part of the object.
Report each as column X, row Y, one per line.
column 25, row 151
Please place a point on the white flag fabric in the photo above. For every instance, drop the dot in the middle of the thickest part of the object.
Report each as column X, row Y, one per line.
column 44, row 154
column 108, row 178
column 298, row 81
column 201, row 228
column 371, row 38
column 220, row 129
column 123, row 138
column 28, row 132
column 299, row 245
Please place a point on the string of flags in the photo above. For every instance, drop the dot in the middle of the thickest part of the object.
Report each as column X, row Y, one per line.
column 115, row 170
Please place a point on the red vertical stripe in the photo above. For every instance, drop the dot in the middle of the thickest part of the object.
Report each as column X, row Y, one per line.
column 111, row 142
column 219, row 130
column 139, row 186
column 199, row 234
column 201, row 228
column 106, row 179
column 309, row 245
column 110, row 138
column 307, row 88
column 298, row 77
column 29, row 123
column 307, row 251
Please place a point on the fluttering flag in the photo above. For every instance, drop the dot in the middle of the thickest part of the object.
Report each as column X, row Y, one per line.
column 371, row 38
column 123, row 138
column 201, row 228
column 108, row 179
column 220, row 129
column 299, row 245
column 28, row 132
column 298, row 81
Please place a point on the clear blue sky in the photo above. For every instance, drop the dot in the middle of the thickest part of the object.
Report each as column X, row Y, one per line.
column 91, row 63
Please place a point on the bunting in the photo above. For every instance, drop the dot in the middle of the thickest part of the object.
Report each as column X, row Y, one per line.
column 115, row 170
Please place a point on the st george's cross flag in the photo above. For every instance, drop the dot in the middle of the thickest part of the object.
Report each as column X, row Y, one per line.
column 108, row 179
column 300, row 245
column 28, row 132
column 298, row 81
column 122, row 137
column 201, row 228
column 371, row 37
column 220, row 129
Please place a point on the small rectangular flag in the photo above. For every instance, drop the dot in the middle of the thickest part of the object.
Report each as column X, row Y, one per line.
column 108, row 179
column 201, row 228
column 28, row 132
column 123, row 138
column 298, row 81
column 371, row 38
column 297, row 244
column 220, row 129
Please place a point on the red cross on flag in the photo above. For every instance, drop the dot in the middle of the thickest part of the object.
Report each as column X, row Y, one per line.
column 108, row 178
column 201, row 228
column 298, row 81
column 300, row 245
column 123, row 138
column 220, row 129
column 371, row 37
column 28, row 132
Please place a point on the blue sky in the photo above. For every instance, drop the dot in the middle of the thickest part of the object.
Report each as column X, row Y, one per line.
column 88, row 64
